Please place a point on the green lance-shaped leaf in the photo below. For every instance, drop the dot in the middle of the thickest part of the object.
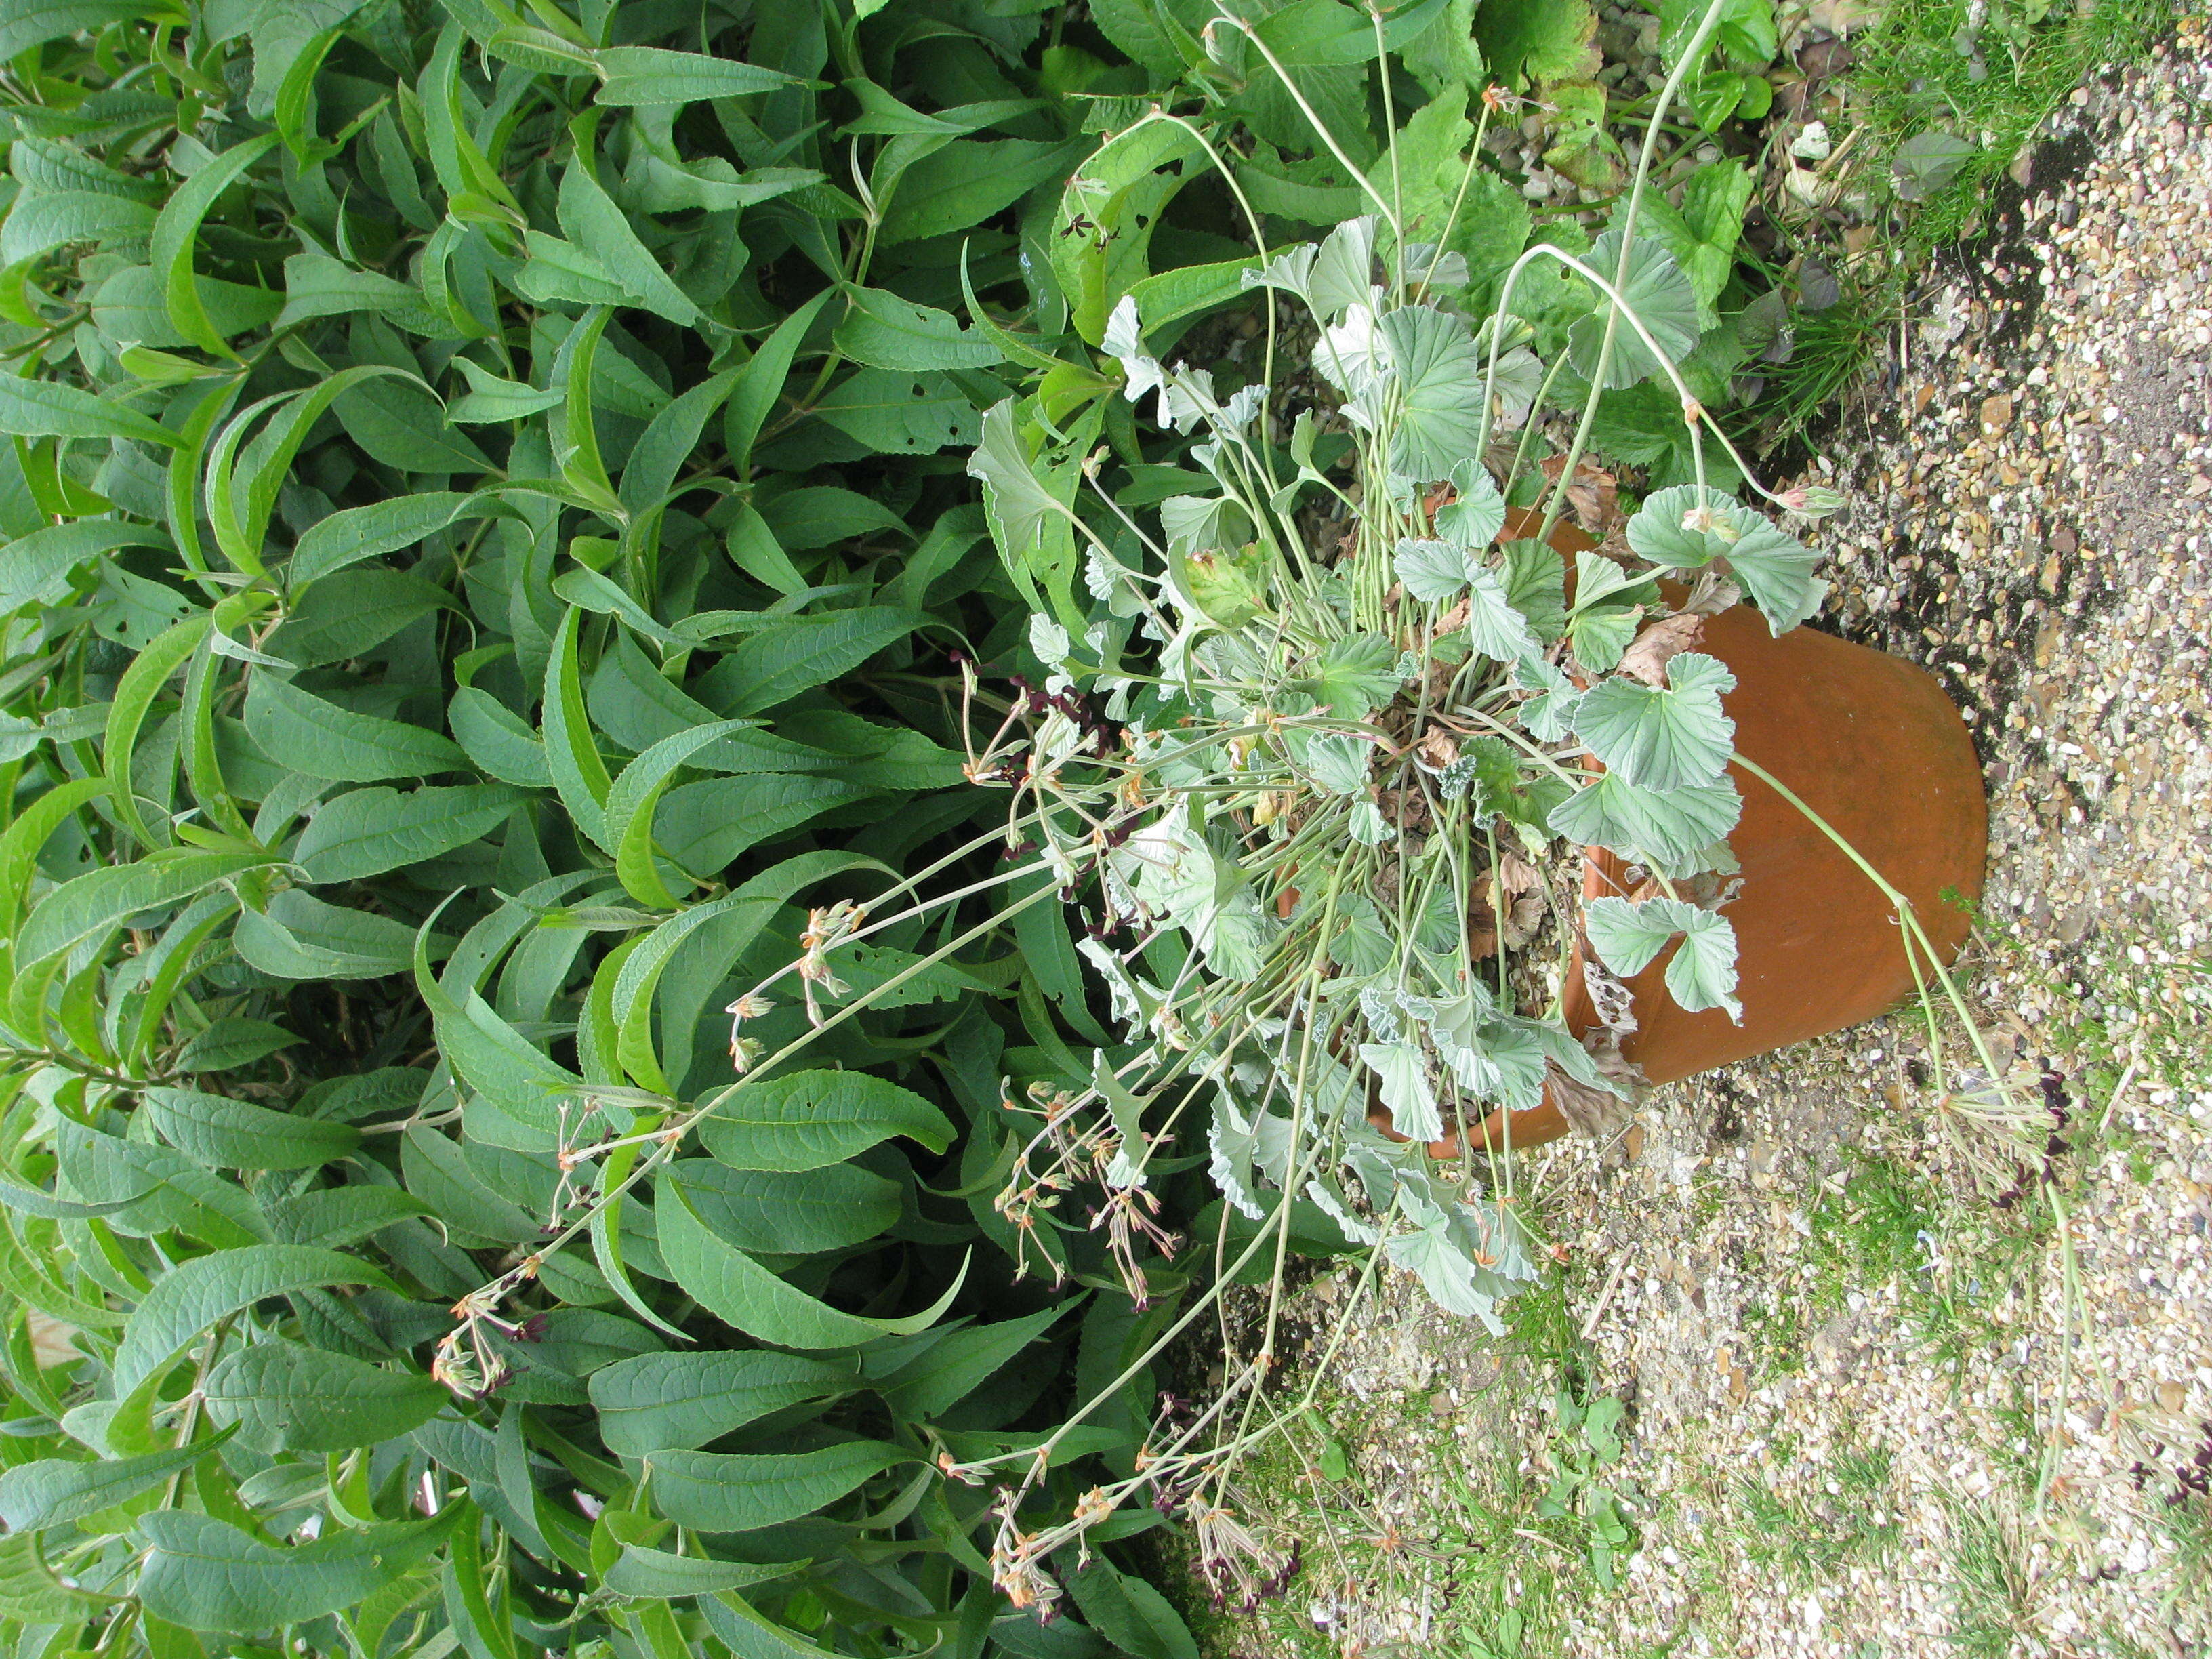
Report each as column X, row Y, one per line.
column 949, row 1371
column 1661, row 738
column 53, row 1491
column 807, row 1120
column 665, row 1401
column 1701, row 975
column 659, row 456
column 1130, row 1614
column 632, row 798
column 579, row 772
column 207, row 1575
column 231, row 1041
column 245, row 479
column 335, row 1217
column 884, row 330
column 356, row 533
column 591, row 219
column 365, row 832
column 319, row 739
column 721, row 1492
column 33, row 825
column 48, row 409
column 300, row 937
column 652, row 75
column 286, row 1397
column 101, row 900
column 659, row 1575
column 742, row 1629
column 739, row 1292
column 497, row 739
column 776, row 665
column 36, row 568
column 236, row 1134
column 136, row 693
column 194, row 1295
column 176, row 240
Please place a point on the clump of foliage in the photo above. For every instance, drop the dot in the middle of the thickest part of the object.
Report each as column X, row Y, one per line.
column 1322, row 709
column 517, row 1032
column 481, row 550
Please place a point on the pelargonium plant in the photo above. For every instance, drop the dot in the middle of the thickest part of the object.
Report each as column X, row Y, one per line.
column 1326, row 733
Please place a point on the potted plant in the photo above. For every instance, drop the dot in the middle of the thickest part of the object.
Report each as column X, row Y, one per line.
column 1404, row 815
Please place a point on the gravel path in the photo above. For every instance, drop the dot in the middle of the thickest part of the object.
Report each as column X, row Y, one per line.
column 1870, row 1413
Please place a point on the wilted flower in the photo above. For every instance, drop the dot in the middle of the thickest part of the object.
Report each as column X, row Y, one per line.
column 1236, row 1565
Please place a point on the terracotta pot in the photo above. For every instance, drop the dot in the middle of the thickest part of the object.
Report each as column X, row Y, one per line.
column 1869, row 742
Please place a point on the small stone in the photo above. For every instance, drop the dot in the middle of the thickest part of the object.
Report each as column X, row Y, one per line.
column 1997, row 413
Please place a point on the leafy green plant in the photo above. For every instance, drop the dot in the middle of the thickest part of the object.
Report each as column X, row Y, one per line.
column 486, row 537
column 1586, row 1443
column 481, row 546
column 1322, row 709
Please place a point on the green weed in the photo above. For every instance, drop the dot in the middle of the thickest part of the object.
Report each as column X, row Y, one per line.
column 1990, row 1592
column 1986, row 73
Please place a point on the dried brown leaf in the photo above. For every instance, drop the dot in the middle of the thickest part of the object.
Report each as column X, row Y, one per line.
column 1650, row 652
column 1593, row 494
column 1713, row 594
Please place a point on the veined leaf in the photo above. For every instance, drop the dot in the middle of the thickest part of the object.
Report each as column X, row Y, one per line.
column 719, row 1491
column 284, row 1397
column 48, row 409
column 1661, row 739
column 207, row 1575
column 365, row 532
column 631, row 799
column 236, row 1134
column 780, row 1213
column 1700, row 975
column 806, row 1119
column 651, row 74
column 176, row 235
column 657, row 1575
column 49, row 1491
column 298, row 936
column 735, row 1289
column 1656, row 294
column 885, row 332
column 365, row 832
column 100, row 900
column 662, row 1401
column 311, row 735
column 1672, row 826
column 776, row 666
column 194, row 1295
column 36, row 568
